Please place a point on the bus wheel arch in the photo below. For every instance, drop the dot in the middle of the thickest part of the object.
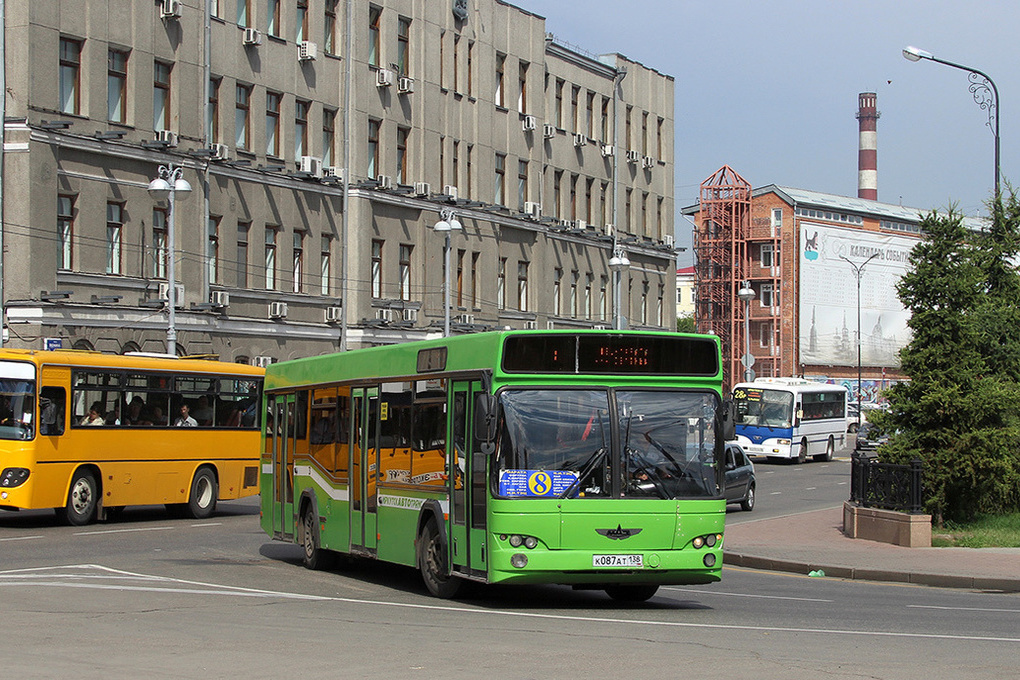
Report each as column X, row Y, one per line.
column 313, row 555
column 802, row 452
column 204, row 492
column 84, row 495
column 431, row 553
column 830, row 448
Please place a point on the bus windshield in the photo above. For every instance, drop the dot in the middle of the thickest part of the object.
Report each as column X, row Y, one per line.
column 17, row 400
column 765, row 408
column 664, row 445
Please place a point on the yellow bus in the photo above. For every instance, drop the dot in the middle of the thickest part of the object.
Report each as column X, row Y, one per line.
column 88, row 433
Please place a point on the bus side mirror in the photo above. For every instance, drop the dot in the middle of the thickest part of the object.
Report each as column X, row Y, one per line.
column 485, row 420
column 727, row 420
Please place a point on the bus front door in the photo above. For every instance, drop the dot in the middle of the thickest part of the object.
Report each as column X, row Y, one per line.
column 468, row 485
column 282, row 430
column 364, row 469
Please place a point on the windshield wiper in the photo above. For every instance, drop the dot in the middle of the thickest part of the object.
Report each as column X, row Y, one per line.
column 589, row 466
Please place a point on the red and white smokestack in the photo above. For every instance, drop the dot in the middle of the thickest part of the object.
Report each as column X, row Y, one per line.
column 867, row 153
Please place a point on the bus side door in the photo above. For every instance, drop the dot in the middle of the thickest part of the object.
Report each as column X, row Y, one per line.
column 364, row 468
column 468, row 485
column 280, row 428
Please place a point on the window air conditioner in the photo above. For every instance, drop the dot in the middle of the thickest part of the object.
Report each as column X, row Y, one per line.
column 261, row 362
column 405, row 85
column 466, row 318
column 385, row 315
column 668, row 240
column 548, row 131
column 648, row 162
column 220, row 152
column 608, row 151
column 307, row 50
column 311, row 165
column 530, row 325
column 411, row 315
column 219, row 298
column 422, row 189
column 334, row 314
column 333, row 171
column 384, row 77
column 164, row 293
column 277, row 310
column 529, row 123
column 451, row 191
column 166, row 137
column 170, row 9
column 580, row 139
column 633, row 156
column 251, row 37
column 534, row 210
column 385, row 181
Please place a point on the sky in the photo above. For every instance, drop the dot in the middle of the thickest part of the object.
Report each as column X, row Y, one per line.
column 770, row 89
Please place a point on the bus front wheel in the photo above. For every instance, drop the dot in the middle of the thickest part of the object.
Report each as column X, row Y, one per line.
column 433, row 564
column 82, row 499
column 802, row 453
column 204, row 491
column 631, row 593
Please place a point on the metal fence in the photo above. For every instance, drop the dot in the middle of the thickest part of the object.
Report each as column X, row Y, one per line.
column 884, row 485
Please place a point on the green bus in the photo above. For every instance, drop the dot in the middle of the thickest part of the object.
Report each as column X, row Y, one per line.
column 588, row 458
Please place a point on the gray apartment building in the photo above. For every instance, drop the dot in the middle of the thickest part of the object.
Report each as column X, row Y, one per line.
column 323, row 140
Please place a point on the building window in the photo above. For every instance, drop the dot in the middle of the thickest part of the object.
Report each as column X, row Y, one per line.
column 557, row 194
column 116, row 86
column 500, row 68
column 575, row 120
column 765, row 335
column 474, row 280
column 587, row 295
column 302, row 21
column 557, row 291
column 213, row 233
column 301, row 129
column 522, row 96
column 573, row 294
column 558, row 104
column 501, row 283
column 456, row 63
column 589, row 116
column 629, row 140
column 373, row 148
column 469, row 67
column 243, row 228
column 161, row 96
column 522, row 286
column 328, row 136
column 629, row 194
column 603, row 299
column 273, row 123
column 159, row 247
column 270, row 257
column 298, row 268
column 467, row 167
column 114, row 229
column 573, row 197
column 658, row 139
column 273, row 18
column 70, row 72
column 658, row 305
column 325, row 265
column 402, row 135
column 405, row 271
column 522, row 184
column 455, row 162
column 605, row 120
column 404, row 46
column 244, row 13
column 212, row 124
column 242, row 117
column 777, row 220
column 374, row 14
column 65, row 230
column 329, row 39
column 644, row 133
column 769, row 295
column 377, row 248
column 588, row 186
column 460, row 278
column 499, row 179
column 767, row 255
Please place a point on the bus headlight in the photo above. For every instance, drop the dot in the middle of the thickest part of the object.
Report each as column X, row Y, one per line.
column 530, row 542
column 709, row 560
column 784, row 442
column 519, row 560
column 516, row 540
column 12, row 477
column 710, row 540
column 698, row 542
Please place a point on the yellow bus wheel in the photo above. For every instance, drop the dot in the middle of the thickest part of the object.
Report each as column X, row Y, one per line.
column 204, row 490
column 82, row 499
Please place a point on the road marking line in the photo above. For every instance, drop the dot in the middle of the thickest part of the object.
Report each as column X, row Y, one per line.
column 763, row 597
column 120, row 531
column 210, row 524
column 20, row 538
column 963, row 609
column 253, row 592
column 811, row 488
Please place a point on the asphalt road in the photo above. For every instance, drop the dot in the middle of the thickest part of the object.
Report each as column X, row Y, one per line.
column 151, row 597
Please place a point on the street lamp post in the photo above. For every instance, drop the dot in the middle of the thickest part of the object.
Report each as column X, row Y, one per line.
column 165, row 188
column 859, row 270
column 746, row 293
column 447, row 222
column 981, row 86
column 618, row 263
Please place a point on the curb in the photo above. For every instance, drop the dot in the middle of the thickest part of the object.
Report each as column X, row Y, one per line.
column 1005, row 585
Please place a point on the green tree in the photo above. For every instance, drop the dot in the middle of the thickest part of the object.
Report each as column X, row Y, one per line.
column 960, row 411
column 685, row 323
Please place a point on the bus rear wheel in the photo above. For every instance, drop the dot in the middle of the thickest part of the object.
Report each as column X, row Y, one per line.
column 204, row 491
column 82, row 499
column 830, row 447
column 433, row 564
column 631, row 593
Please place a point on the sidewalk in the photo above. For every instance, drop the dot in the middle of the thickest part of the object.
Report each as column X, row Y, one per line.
column 812, row 541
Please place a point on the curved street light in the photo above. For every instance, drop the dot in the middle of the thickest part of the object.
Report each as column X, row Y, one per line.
column 618, row 263
column 746, row 293
column 447, row 223
column 986, row 95
column 859, row 270
column 165, row 188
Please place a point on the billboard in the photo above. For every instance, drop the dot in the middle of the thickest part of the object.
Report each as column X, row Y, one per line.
column 828, row 296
